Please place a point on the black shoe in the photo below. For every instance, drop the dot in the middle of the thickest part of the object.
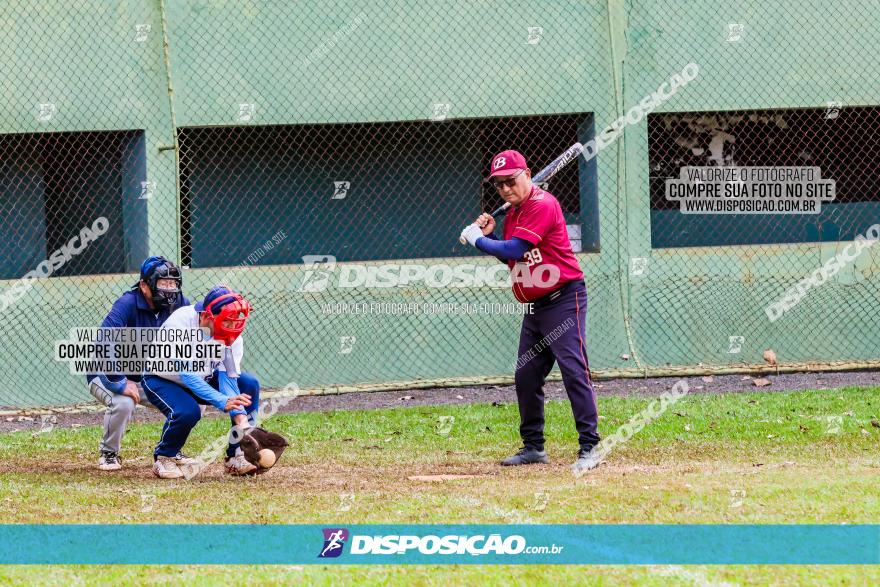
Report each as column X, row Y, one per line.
column 588, row 459
column 526, row 456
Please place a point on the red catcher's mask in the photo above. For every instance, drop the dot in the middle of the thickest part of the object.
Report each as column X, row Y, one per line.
column 236, row 312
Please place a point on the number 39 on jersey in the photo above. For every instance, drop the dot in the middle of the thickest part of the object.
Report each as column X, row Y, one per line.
column 533, row 257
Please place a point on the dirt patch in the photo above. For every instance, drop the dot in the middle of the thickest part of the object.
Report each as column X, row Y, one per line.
column 312, row 478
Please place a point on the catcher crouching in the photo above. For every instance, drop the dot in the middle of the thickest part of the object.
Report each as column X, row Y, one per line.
column 179, row 396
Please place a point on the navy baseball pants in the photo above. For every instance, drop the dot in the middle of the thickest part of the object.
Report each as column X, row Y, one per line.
column 555, row 332
column 182, row 409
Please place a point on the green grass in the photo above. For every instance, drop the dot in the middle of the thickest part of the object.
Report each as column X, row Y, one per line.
column 803, row 457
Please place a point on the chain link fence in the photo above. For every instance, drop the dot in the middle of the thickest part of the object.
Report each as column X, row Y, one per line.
column 323, row 159
column 779, row 85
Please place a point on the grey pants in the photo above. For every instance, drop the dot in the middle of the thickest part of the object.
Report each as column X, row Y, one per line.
column 120, row 409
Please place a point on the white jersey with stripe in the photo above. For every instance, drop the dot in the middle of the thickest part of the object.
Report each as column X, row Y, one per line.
column 187, row 318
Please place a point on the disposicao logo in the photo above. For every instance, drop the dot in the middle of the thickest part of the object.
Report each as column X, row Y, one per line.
column 442, row 545
column 334, row 540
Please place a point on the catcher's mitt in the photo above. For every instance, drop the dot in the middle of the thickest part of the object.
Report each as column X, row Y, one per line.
column 262, row 448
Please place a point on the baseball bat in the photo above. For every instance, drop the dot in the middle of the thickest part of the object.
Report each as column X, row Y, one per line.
column 567, row 157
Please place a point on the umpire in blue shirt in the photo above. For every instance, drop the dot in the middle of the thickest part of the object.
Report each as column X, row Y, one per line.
column 147, row 304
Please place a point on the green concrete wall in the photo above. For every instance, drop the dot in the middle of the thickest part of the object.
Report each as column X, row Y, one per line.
column 373, row 61
column 792, row 54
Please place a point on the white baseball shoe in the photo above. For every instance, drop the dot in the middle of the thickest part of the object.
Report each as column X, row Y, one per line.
column 166, row 468
column 238, row 465
column 184, row 461
column 109, row 461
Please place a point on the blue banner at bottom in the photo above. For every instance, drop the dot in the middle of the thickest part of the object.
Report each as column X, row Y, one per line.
column 440, row 544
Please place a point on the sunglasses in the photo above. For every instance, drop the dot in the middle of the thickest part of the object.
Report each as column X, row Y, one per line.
column 510, row 182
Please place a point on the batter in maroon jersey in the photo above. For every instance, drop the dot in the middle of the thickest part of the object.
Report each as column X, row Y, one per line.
column 544, row 272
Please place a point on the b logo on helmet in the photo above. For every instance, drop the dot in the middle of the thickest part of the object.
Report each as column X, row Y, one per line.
column 499, row 163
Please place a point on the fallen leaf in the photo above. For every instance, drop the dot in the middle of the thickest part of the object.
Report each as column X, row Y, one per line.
column 865, row 432
column 770, row 356
column 687, row 428
column 802, row 428
column 746, row 378
column 770, row 436
column 459, row 397
column 708, row 379
column 762, row 382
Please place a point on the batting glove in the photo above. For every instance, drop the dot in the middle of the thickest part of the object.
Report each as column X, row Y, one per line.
column 471, row 233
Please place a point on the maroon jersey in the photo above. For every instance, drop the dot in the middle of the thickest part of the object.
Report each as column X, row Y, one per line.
column 551, row 263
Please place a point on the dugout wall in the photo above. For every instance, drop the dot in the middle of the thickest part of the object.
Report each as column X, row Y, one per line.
column 211, row 92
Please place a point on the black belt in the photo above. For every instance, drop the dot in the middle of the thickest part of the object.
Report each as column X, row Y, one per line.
column 555, row 295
